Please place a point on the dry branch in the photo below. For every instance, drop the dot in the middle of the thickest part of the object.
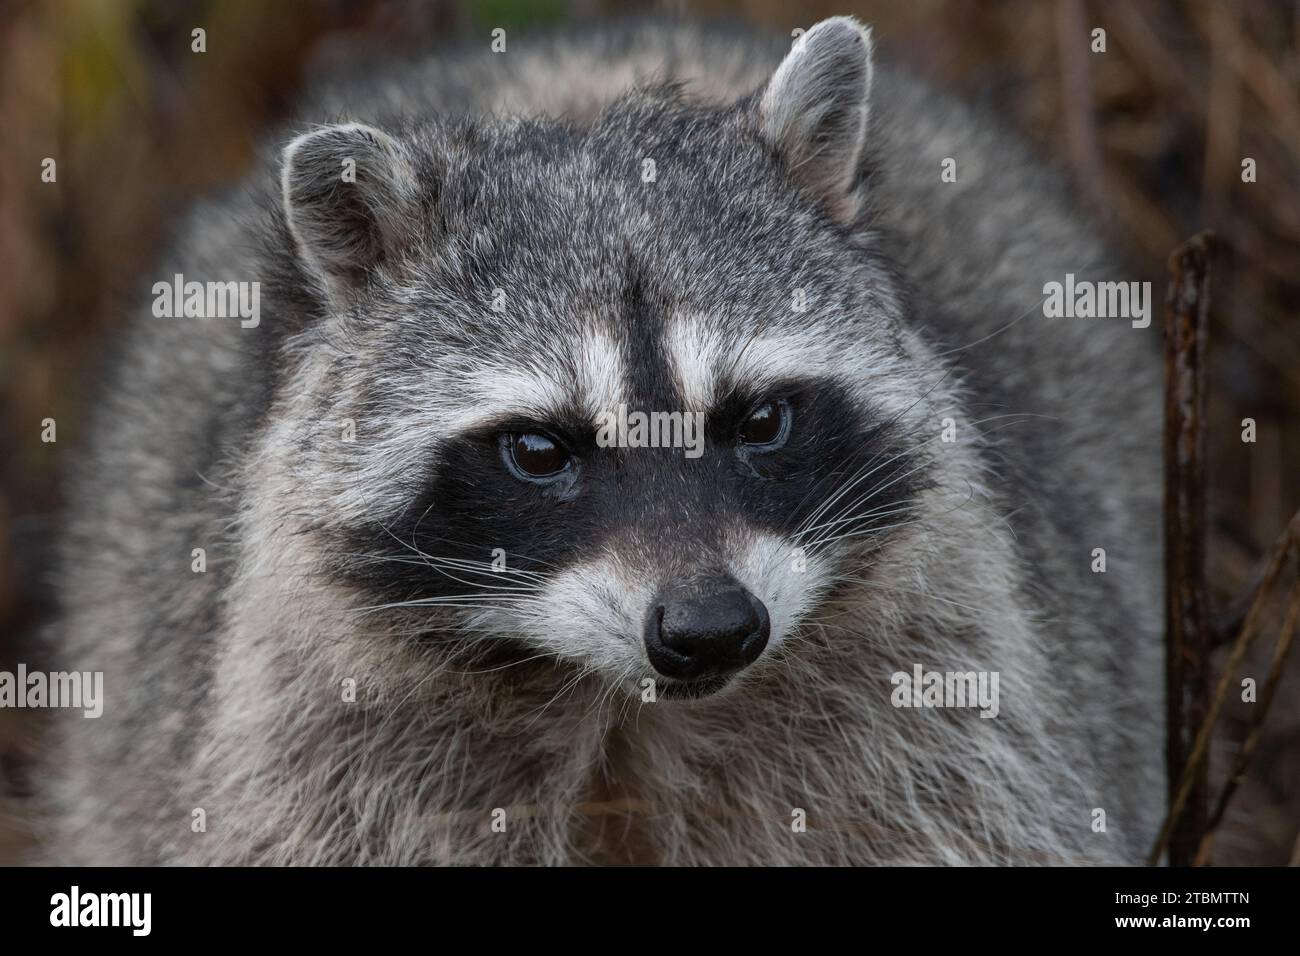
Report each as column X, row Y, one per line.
column 1242, row 763
column 1187, row 634
column 1195, row 764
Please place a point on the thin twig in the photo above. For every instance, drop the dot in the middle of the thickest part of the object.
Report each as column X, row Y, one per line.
column 1242, row 763
column 1260, row 75
column 1077, row 98
column 1201, row 746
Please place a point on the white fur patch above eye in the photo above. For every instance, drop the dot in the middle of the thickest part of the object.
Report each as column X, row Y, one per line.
column 696, row 351
column 882, row 380
column 702, row 357
column 587, row 371
column 774, row 357
column 498, row 392
column 602, row 378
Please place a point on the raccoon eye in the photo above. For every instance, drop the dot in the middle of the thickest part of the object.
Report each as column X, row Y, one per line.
column 767, row 426
column 533, row 456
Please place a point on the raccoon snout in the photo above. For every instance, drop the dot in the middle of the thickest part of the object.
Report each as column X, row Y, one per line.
column 692, row 635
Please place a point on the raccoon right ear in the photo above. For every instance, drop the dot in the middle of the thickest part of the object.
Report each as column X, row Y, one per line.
column 349, row 194
column 814, row 111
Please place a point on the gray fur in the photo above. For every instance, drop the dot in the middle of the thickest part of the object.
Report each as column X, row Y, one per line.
column 223, row 688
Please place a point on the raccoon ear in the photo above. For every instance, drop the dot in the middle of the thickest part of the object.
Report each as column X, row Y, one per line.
column 349, row 194
column 814, row 111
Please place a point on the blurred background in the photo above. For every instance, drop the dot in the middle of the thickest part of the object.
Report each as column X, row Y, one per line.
column 1153, row 132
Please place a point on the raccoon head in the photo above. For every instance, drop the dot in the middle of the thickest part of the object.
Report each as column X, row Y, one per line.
column 635, row 394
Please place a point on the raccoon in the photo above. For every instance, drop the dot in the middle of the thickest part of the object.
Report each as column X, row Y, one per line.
column 367, row 587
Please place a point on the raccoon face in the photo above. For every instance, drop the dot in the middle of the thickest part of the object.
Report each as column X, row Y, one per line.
column 635, row 395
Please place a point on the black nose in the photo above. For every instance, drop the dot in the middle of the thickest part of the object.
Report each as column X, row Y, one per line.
column 690, row 634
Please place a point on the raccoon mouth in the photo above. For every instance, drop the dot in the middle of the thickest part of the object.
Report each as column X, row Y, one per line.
column 693, row 689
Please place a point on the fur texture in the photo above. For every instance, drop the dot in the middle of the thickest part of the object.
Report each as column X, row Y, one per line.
column 520, row 179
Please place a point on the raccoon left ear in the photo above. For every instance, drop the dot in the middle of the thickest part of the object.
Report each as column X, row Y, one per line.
column 349, row 194
column 815, row 108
